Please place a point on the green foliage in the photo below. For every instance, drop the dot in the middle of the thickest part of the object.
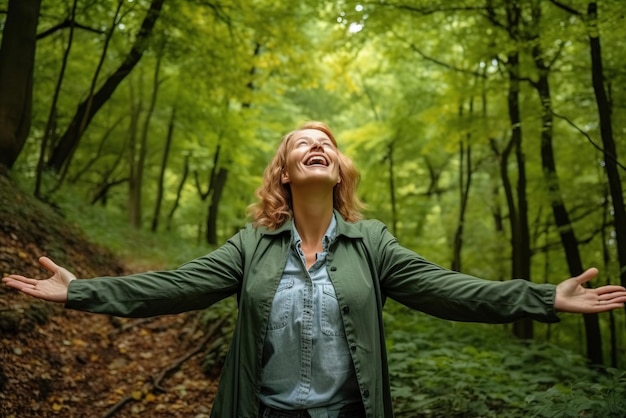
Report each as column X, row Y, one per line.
column 607, row 399
column 445, row 369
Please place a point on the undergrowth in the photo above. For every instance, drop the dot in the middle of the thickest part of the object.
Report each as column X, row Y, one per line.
column 446, row 369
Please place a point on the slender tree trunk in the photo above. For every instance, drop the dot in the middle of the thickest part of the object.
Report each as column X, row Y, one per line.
column 559, row 210
column 51, row 125
column 392, row 188
column 88, row 108
column 17, row 61
column 179, row 192
column 608, row 142
column 465, row 180
column 134, row 187
column 83, row 122
column 217, row 181
column 606, row 259
column 218, row 188
column 520, row 236
column 160, row 184
column 139, row 163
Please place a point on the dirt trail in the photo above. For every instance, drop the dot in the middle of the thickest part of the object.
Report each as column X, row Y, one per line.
column 56, row 362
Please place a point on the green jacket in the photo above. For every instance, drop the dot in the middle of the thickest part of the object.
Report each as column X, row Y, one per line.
column 366, row 265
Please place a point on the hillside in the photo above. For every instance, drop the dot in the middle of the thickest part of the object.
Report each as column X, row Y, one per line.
column 56, row 362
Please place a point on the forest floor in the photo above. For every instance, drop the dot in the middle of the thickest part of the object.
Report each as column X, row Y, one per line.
column 56, row 362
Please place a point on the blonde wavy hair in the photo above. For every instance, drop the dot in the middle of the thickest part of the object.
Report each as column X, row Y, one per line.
column 274, row 205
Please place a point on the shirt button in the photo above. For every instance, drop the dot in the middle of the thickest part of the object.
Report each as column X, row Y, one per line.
column 346, row 310
column 333, row 268
column 366, row 393
column 353, row 347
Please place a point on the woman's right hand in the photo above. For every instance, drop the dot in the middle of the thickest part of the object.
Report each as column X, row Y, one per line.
column 53, row 289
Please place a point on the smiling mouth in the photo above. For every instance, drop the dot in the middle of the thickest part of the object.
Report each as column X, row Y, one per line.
column 316, row 160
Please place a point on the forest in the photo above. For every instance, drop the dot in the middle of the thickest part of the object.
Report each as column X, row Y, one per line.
column 490, row 136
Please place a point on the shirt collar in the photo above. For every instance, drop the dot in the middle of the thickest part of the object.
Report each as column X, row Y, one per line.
column 329, row 235
column 344, row 228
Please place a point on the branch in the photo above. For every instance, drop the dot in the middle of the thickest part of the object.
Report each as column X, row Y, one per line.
column 565, row 7
column 441, row 63
column 432, row 10
column 586, row 135
column 66, row 24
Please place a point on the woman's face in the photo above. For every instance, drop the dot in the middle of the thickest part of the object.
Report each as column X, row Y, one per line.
column 311, row 159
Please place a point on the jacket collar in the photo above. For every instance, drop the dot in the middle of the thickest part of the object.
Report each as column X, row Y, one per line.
column 347, row 229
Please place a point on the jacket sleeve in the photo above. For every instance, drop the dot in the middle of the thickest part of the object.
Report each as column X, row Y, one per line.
column 195, row 285
column 425, row 286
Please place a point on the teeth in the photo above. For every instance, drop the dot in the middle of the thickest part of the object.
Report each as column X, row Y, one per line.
column 316, row 160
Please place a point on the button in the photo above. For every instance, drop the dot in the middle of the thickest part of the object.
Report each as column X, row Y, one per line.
column 346, row 310
column 366, row 393
column 353, row 347
column 333, row 268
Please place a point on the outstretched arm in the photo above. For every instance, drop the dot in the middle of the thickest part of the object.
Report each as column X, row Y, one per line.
column 572, row 296
column 53, row 289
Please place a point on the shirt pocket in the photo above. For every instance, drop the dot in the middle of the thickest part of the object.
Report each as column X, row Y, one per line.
column 332, row 324
column 281, row 305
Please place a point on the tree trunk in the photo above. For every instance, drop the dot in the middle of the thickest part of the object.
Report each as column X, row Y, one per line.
column 520, row 236
column 465, row 180
column 160, row 185
column 559, row 210
column 134, row 187
column 392, row 188
column 179, row 192
column 608, row 142
column 138, row 164
column 90, row 106
column 83, row 122
column 217, row 185
column 51, row 125
column 17, row 61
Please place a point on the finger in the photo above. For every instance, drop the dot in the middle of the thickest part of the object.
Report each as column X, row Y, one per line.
column 606, row 292
column 607, row 307
column 587, row 275
column 15, row 278
column 19, row 284
column 618, row 298
column 48, row 264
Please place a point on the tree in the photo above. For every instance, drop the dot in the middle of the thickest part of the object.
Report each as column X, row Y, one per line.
column 560, row 212
column 608, row 141
column 604, row 108
column 17, row 61
column 64, row 148
column 160, row 184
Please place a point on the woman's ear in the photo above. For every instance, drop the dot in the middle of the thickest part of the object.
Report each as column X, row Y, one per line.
column 284, row 177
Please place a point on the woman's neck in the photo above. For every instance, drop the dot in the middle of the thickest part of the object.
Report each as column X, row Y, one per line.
column 312, row 215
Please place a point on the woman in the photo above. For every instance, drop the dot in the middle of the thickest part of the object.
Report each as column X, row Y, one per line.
column 311, row 278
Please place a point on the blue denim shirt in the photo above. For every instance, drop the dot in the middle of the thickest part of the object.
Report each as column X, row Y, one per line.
column 306, row 358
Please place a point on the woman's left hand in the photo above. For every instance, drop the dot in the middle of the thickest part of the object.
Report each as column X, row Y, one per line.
column 572, row 296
